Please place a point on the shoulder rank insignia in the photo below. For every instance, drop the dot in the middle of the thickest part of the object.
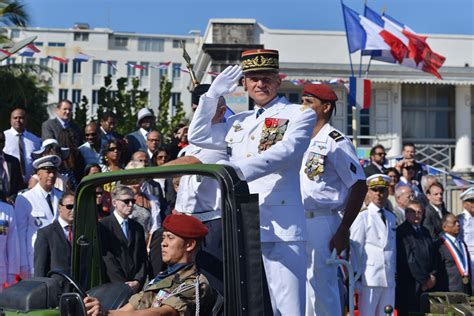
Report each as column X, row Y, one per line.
column 273, row 131
column 237, row 127
column 314, row 166
column 336, row 136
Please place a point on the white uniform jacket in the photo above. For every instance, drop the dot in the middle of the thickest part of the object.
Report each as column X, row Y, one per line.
column 32, row 213
column 271, row 172
column 329, row 170
column 9, row 245
column 376, row 244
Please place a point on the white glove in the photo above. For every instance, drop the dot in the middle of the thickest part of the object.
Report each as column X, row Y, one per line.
column 226, row 82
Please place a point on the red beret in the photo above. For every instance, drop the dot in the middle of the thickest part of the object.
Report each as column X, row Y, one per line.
column 320, row 91
column 185, row 226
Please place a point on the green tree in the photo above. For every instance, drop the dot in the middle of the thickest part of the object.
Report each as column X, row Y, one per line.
column 12, row 13
column 166, row 124
column 124, row 103
column 80, row 112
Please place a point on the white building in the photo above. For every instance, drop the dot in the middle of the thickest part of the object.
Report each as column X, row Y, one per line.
column 407, row 105
column 75, row 79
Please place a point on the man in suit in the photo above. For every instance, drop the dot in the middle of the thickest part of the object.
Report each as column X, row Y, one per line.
column 108, row 122
column 53, row 242
column 11, row 178
column 124, row 247
column 466, row 219
column 455, row 272
column 374, row 236
column 377, row 160
column 63, row 120
column 37, row 208
column 266, row 145
column 153, row 142
column 435, row 210
column 403, row 195
column 417, row 260
column 20, row 143
column 145, row 123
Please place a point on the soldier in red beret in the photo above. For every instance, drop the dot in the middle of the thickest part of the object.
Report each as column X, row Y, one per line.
column 332, row 182
column 172, row 292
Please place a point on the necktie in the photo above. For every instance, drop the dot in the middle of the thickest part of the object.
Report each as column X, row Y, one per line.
column 69, row 233
column 382, row 216
column 66, row 125
column 21, row 149
column 4, row 181
column 125, row 229
column 418, row 230
column 48, row 199
column 260, row 111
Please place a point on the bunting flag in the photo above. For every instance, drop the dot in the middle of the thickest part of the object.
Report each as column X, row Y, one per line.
column 81, row 57
column 161, row 65
column 61, row 60
column 360, row 92
column 135, row 66
column 110, row 63
column 5, row 52
column 29, row 51
column 406, row 46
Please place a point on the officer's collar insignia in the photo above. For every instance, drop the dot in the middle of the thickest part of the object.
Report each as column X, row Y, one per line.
column 336, row 135
column 237, row 127
column 321, row 147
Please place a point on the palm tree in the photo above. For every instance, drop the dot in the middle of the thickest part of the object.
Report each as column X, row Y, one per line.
column 12, row 13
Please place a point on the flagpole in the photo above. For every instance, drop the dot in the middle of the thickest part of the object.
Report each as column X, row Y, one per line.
column 368, row 67
column 347, row 38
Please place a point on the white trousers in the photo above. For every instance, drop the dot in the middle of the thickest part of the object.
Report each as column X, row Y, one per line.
column 285, row 264
column 322, row 289
column 372, row 300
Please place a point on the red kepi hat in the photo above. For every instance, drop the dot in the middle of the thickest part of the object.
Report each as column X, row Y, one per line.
column 185, row 226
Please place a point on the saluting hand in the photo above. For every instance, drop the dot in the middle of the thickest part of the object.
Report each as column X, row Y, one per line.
column 226, row 82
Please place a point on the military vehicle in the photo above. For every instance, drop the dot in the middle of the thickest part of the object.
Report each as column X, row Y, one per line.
column 244, row 282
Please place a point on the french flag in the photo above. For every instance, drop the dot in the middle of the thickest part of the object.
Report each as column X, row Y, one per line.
column 360, row 92
column 162, row 65
column 29, row 51
column 81, row 57
column 61, row 60
column 5, row 52
column 136, row 66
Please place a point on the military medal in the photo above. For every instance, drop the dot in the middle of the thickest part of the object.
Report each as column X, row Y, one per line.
column 38, row 222
column 314, row 166
column 273, row 131
column 460, row 257
column 237, row 127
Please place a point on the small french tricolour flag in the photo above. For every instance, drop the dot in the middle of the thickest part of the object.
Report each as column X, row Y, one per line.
column 81, row 57
column 359, row 92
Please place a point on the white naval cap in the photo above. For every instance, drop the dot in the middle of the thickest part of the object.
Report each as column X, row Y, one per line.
column 144, row 113
column 49, row 161
column 378, row 180
column 467, row 195
column 49, row 142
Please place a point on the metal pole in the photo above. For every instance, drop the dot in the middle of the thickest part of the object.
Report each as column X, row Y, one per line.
column 347, row 38
column 354, row 126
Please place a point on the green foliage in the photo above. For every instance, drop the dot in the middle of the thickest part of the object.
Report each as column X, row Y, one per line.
column 124, row 103
column 166, row 124
column 12, row 13
column 80, row 112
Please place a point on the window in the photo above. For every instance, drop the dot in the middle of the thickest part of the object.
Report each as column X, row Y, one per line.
column 95, row 97
column 56, row 44
column 81, row 36
column 151, row 44
column 163, row 72
column 111, row 67
column 131, row 71
column 428, row 111
column 44, row 62
column 30, row 60
column 175, row 99
column 76, row 96
column 363, row 124
column 176, row 43
column 39, row 44
column 62, row 68
column 76, row 67
column 62, row 94
column 176, row 71
column 121, row 42
column 15, row 34
column 96, row 67
column 11, row 61
column 144, row 72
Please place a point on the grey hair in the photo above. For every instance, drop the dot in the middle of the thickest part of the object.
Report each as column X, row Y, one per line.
column 121, row 190
column 135, row 164
column 426, row 181
column 400, row 189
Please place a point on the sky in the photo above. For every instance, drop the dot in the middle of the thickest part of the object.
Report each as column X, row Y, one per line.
column 178, row 17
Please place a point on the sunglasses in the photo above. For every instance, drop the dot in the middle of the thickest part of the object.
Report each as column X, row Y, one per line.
column 113, row 149
column 128, row 201
column 380, row 154
column 378, row 189
column 91, row 134
column 99, row 193
column 68, row 206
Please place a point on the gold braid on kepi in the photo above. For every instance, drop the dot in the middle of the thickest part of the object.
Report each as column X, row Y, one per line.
column 260, row 60
column 378, row 180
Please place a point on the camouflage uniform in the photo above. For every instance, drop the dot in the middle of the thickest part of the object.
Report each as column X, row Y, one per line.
column 178, row 291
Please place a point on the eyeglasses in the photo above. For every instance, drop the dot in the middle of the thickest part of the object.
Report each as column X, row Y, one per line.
column 380, row 154
column 99, row 193
column 378, row 189
column 128, row 201
column 112, row 149
column 68, row 206
column 91, row 134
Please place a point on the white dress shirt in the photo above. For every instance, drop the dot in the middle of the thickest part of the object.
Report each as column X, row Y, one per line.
column 32, row 143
